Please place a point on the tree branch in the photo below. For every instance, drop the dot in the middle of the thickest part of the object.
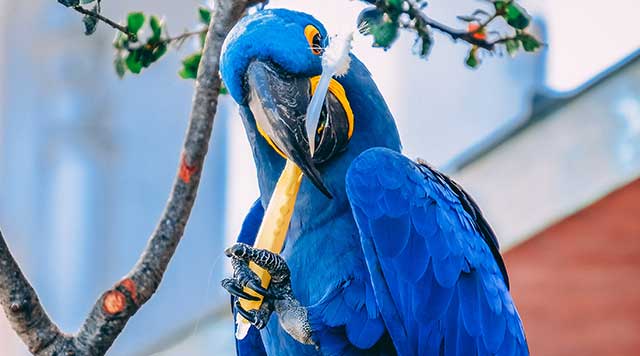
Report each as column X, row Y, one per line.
column 113, row 309
column 22, row 307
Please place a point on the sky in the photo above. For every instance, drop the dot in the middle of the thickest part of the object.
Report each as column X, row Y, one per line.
column 586, row 37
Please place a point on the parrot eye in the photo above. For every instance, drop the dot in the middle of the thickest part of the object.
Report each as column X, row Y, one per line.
column 314, row 38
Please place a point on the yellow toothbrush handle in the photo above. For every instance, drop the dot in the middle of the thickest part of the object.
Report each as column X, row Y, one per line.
column 272, row 233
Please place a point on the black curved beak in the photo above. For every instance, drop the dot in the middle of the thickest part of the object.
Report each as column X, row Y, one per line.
column 279, row 105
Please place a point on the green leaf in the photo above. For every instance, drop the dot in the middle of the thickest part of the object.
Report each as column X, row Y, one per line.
column 385, row 35
column 145, row 55
column 529, row 43
column 133, row 62
column 472, row 59
column 190, row 66
column 120, row 66
column 223, row 89
column 156, row 29
column 120, row 41
column 512, row 47
column 422, row 45
column 500, row 6
column 193, row 60
column 383, row 28
column 205, row 15
column 135, row 20
column 185, row 73
column 159, row 51
column 516, row 16
column 395, row 3
column 69, row 3
column 90, row 22
column 393, row 8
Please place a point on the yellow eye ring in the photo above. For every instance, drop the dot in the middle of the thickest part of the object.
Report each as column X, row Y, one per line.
column 314, row 38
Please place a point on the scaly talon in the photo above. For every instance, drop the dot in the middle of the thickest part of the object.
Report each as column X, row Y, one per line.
column 257, row 286
column 234, row 288
column 258, row 318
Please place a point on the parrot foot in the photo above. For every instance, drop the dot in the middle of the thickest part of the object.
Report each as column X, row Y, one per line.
column 258, row 318
column 277, row 297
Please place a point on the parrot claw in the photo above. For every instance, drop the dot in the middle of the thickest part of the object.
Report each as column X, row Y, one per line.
column 258, row 318
column 241, row 254
column 256, row 286
column 277, row 297
column 239, row 250
column 243, row 277
column 235, row 289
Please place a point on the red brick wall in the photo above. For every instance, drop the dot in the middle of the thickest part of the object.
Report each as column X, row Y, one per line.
column 577, row 284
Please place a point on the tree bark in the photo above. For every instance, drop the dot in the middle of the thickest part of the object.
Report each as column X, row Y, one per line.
column 113, row 308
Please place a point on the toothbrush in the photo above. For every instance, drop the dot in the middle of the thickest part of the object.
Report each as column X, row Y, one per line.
column 335, row 62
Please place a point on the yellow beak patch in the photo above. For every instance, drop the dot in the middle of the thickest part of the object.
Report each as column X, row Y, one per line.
column 338, row 91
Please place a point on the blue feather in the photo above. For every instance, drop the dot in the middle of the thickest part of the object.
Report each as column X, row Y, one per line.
column 252, row 344
column 336, row 312
column 508, row 347
column 470, row 309
column 395, row 204
column 437, row 245
column 431, row 340
column 411, row 264
column 451, row 327
column 363, row 332
column 443, row 295
column 447, row 270
column 251, row 223
column 493, row 329
column 465, row 343
column 394, row 233
column 423, row 218
column 353, row 295
column 438, row 302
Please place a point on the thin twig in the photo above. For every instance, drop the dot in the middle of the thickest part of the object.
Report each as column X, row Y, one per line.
column 178, row 40
column 183, row 36
column 113, row 309
column 108, row 21
column 467, row 36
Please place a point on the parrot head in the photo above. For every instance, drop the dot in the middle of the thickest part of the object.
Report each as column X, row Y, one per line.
column 271, row 64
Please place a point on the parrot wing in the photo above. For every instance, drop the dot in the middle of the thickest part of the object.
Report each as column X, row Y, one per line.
column 437, row 275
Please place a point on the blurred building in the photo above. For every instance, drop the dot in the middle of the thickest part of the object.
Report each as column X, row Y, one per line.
column 563, row 191
column 87, row 160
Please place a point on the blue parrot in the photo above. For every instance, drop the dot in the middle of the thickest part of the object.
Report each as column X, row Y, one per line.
column 384, row 255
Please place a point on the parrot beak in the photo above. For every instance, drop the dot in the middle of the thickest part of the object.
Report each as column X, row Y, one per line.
column 279, row 105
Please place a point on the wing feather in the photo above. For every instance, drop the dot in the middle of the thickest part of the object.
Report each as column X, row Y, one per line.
column 438, row 279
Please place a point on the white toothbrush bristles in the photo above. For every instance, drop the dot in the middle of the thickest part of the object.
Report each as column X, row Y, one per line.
column 336, row 59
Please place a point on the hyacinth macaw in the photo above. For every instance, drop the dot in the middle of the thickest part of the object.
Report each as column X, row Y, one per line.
column 383, row 255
